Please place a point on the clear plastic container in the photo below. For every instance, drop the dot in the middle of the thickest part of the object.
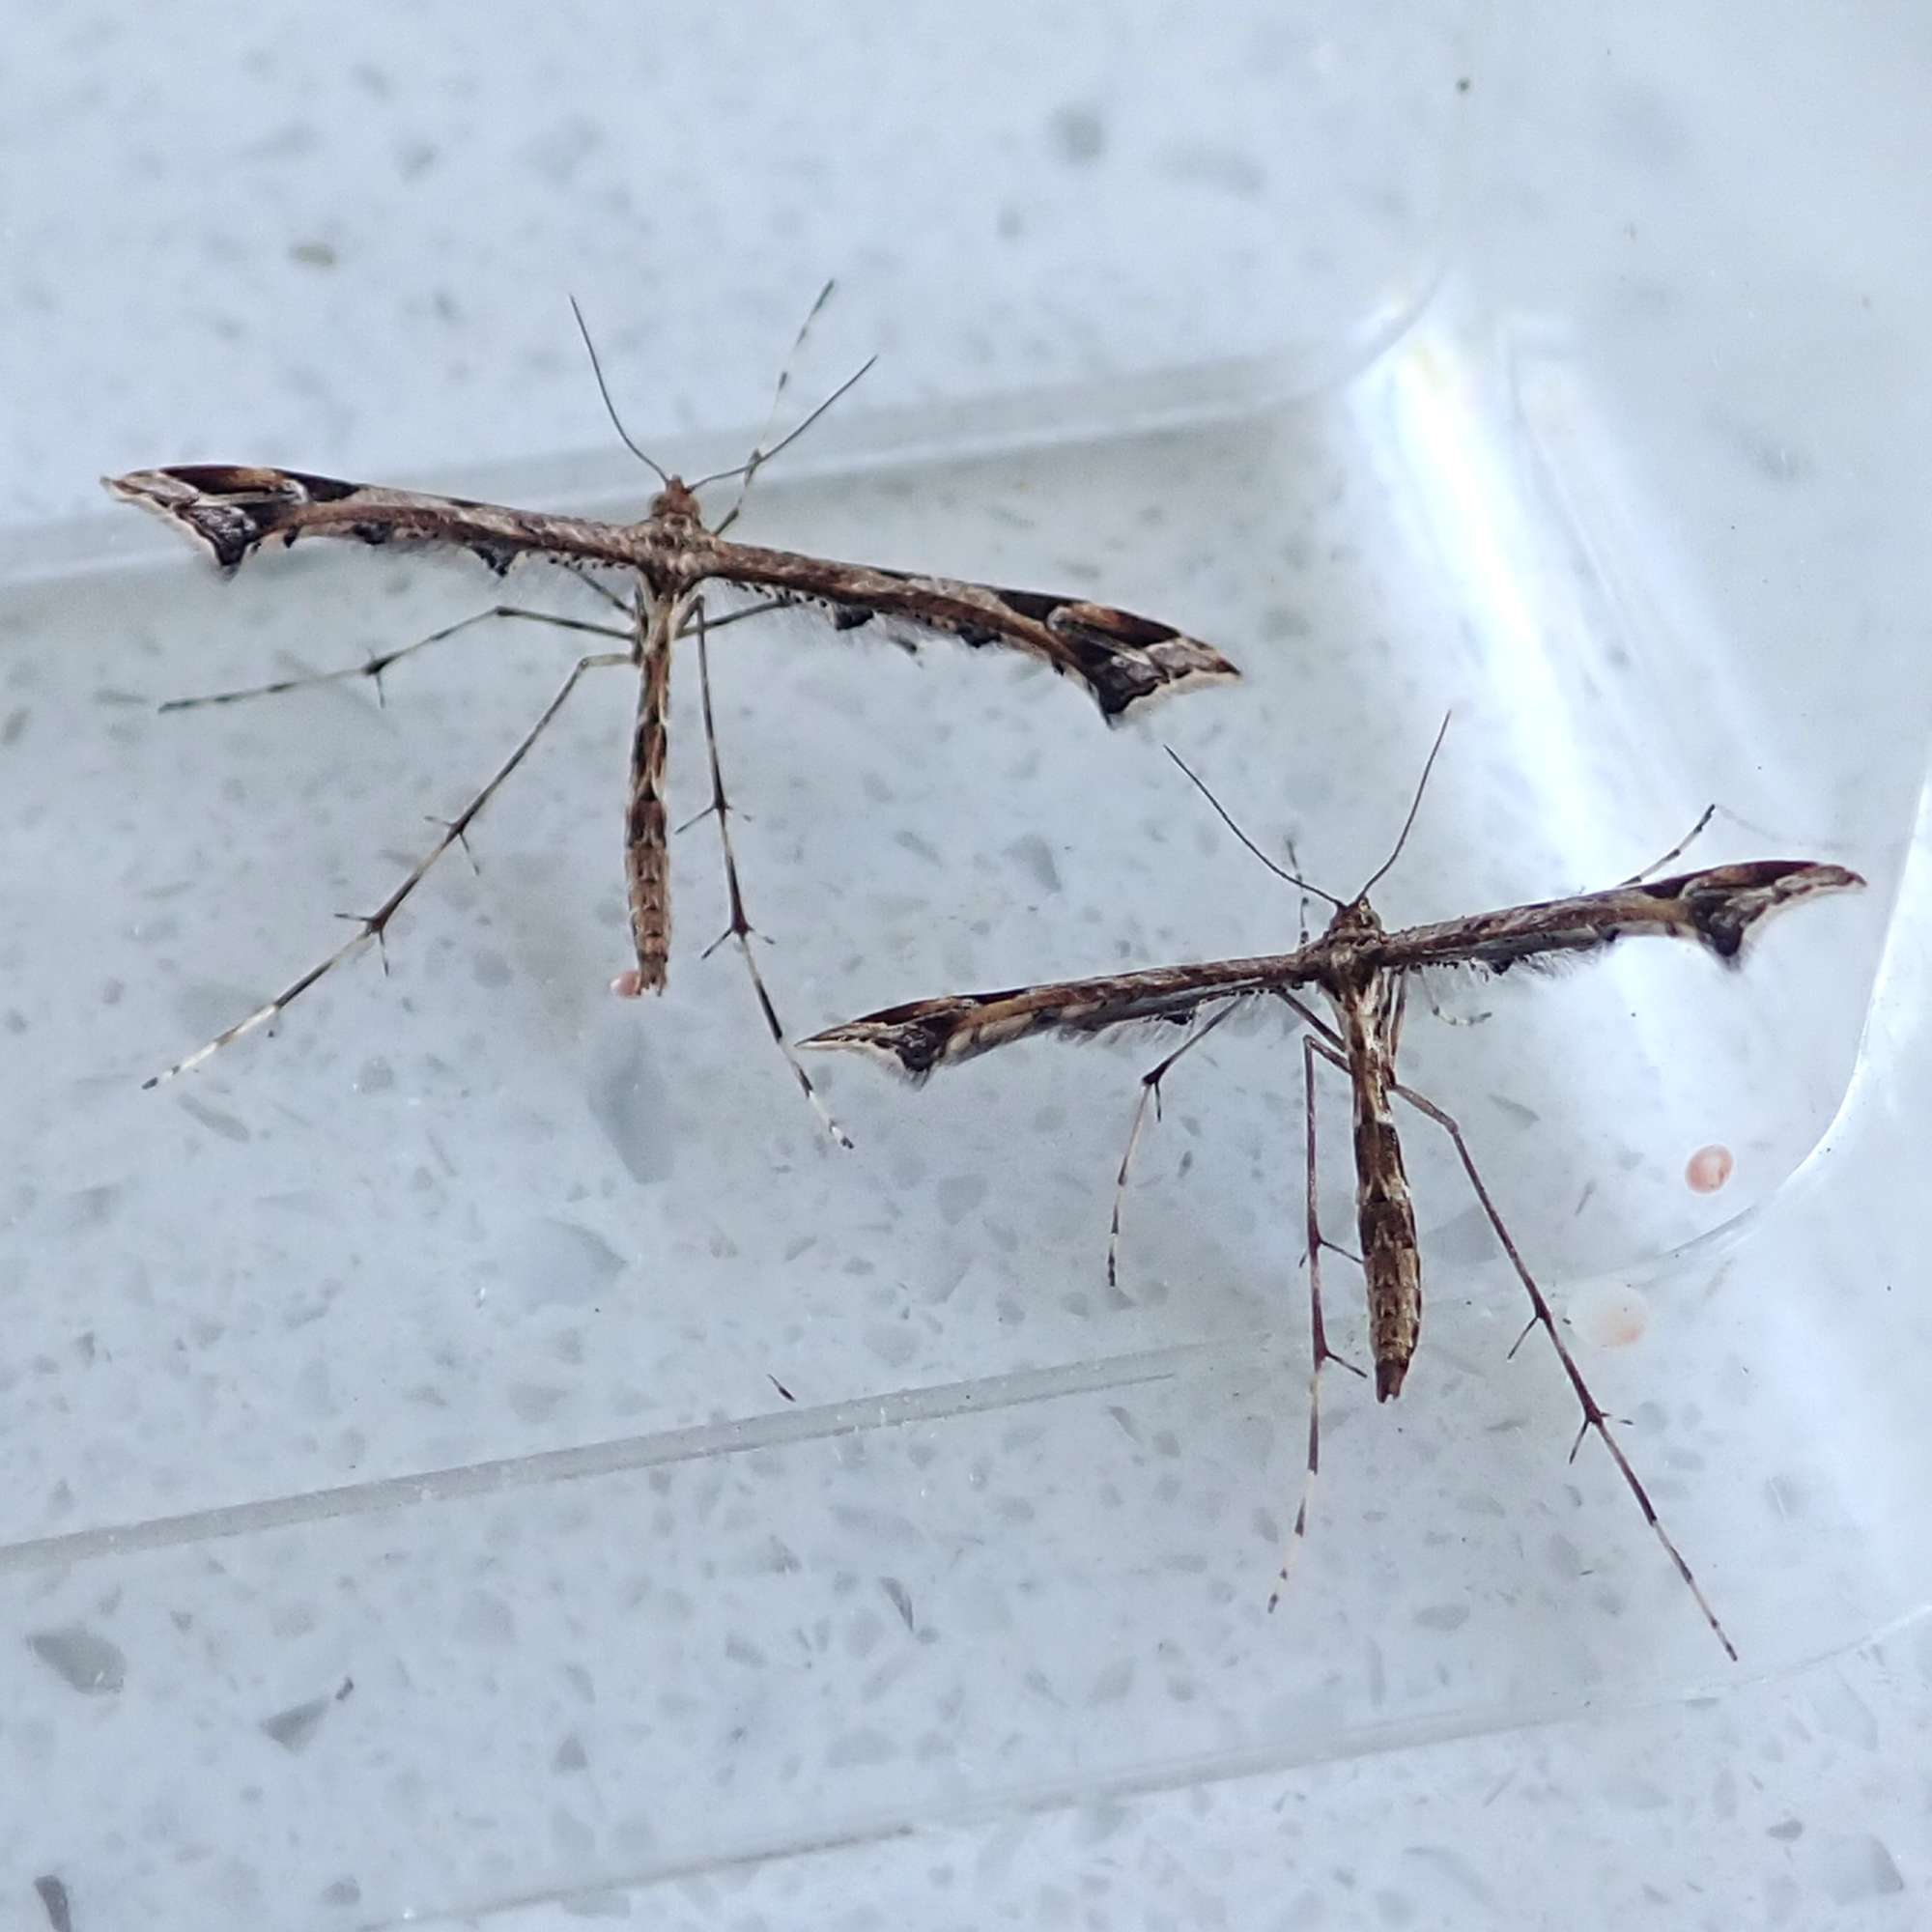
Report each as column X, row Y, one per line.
column 486, row 1440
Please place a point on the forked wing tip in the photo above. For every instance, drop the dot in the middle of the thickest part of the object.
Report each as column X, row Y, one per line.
column 156, row 490
column 225, row 530
column 862, row 1037
column 1217, row 672
column 136, row 486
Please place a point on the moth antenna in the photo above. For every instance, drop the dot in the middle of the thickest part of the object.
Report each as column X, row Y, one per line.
column 761, row 457
column 1301, row 910
column 1677, row 851
column 778, row 389
column 1221, row 810
column 656, row 469
column 1320, row 1354
column 1414, row 806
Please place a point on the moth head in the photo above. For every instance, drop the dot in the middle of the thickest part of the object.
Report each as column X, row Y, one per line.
column 1358, row 917
column 676, row 502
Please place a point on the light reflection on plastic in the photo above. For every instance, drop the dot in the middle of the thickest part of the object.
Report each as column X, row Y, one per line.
column 1439, row 449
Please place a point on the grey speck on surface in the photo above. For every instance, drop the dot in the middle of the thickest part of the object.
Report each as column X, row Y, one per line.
column 901, row 1598
column 886, row 1526
column 892, row 1342
column 860, row 1748
column 295, row 1728
column 1854, row 1869
column 1225, row 168
column 563, row 1262
column 598, row 1905
column 1451, row 1866
column 486, row 1619
column 489, row 968
column 627, row 1100
column 85, row 1662
column 90, row 1207
column 1774, row 459
column 1036, row 855
column 1079, row 134
column 227, row 1126
column 53, row 1896
column 534, row 1402
column 959, row 1194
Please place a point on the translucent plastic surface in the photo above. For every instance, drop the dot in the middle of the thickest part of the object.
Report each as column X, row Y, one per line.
column 481, row 1443
column 397, row 1393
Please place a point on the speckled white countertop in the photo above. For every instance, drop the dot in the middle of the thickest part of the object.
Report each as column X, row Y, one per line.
column 355, row 240
column 344, row 242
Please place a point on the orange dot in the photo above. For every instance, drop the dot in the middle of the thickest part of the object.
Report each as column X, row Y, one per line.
column 1708, row 1168
column 1610, row 1315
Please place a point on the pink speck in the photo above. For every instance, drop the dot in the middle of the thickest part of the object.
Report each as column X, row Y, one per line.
column 1611, row 1315
column 1708, row 1168
column 628, row 984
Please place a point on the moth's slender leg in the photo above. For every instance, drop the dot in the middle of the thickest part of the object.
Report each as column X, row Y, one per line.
column 739, row 930
column 373, row 924
column 584, row 575
column 1322, row 1031
column 1449, row 1018
column 589, row 578
column 1594, row 1416
column 376, row 665
column 1684, row 844
column 1149, row 1093
column 1319, row 1352
column 621, row 604
column 763, row 608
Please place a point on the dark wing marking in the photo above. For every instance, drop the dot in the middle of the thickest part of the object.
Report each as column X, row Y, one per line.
column 927, row 1034
column 231, row 508
column 1717, row 908
column 1120, row 659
